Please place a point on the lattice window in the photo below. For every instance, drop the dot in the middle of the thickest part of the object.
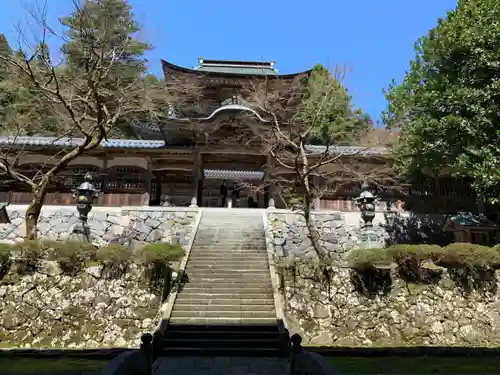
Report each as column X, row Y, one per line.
column 73, row 176
column 126, row 179
column 5, row 182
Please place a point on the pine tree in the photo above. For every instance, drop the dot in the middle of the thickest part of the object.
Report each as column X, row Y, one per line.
column 98, row 88
column 5, row 50
column 106, row 28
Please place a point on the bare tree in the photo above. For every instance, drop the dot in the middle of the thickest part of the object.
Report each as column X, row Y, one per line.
column 86, row 98
column 314, row 109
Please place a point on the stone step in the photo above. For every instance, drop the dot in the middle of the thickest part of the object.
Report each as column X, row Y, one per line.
column 233, row 223
column 236, row 265
column 252, row 222
column 227, row 290
column 231, row 283
column 219, row 278
column 224, row 294
column 230, row 249
column 227, row 327
column 194, row 334
column 214, row 274
column 245, row 229
column 228, row 351
column 228, row 243
column 222, row 272
column 228, row 342
column 223, row 314
column 222, row 321
column 213, row 250
column 231, row 213
column 225, row 245
column 231, row 255
column 229, row 258
column 221, row 260
column 228, row 254
column 222, row 300
column 179, row 306
column 193, row 272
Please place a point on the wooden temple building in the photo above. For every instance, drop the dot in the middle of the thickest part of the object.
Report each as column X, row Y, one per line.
column 167, row 163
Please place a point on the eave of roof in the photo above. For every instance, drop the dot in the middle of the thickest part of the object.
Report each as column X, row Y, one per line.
column 74, row 142
column 468, row 219
column 38, row 141
column 168, row 65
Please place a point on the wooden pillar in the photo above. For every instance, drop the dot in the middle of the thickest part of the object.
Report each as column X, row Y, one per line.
column 198, row 177
column 146, row 197
column 101, row 201
column 270, row 189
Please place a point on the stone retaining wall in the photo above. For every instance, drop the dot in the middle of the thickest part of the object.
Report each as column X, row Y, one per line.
column 340, row 231
column 48, row 309
column 51, row 309
column 107, row 224
column 336, row 312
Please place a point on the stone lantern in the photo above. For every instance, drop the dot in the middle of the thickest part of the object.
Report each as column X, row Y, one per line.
column 84, row 195
column 366, row 203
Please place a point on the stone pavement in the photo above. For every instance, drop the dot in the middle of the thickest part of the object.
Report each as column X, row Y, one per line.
column 221, row 366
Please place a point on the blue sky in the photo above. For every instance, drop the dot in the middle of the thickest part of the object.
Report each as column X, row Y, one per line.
column 373, row 38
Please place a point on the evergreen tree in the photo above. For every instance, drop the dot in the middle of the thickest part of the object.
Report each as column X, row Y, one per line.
column 448, row 105
column 98, row 88
column 5, row 50
column 328, row 106
column 105, row 31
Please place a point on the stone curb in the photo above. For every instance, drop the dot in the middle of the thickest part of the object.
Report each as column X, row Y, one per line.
column 167, row 310
column 278, row 296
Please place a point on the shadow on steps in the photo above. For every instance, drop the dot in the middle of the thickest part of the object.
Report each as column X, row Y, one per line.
column 238, row 338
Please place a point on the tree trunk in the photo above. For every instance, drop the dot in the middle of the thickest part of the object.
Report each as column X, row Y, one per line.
column 33, row 213
column 314, row 235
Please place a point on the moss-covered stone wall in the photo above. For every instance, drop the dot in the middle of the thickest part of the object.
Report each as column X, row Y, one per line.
column 452, row 302
column 49, row 309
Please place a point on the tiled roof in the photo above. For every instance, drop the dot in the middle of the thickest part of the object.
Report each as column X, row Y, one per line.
column 224, row 174
column 468, row 219
column 236, row 67
column 231, row 68
column 72, row 142
column 156, row 144
column 348, row 150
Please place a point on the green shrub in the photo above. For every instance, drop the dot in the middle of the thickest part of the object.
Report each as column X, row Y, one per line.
column 70, row 255
column 467, row 255
column 161, row 252
column 366, row 258
column 455, row 255
column 403, row 253
column 27, row 255
column 115, row 259
column 114, row 254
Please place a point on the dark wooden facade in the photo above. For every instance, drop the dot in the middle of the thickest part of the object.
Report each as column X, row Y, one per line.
column 119, row 186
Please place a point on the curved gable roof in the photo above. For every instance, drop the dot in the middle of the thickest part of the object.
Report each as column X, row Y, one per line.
column 231, row 69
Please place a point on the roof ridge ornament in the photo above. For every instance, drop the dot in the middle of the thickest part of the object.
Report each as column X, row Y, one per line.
column 235, row 99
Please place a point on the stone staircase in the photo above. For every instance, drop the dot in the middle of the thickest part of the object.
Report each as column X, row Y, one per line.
column 226, row 306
